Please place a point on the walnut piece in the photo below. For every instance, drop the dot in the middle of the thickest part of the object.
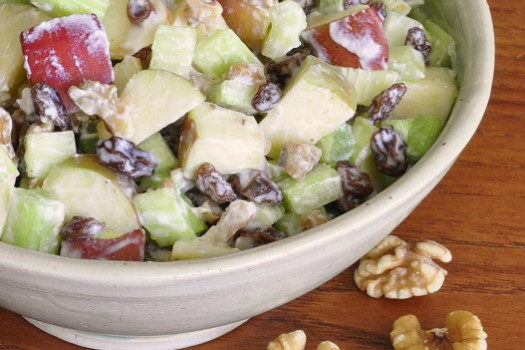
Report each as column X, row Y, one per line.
column 297, row 341
column 327, row 345
column 399, row 270
column 463, row 331
column 6, row 127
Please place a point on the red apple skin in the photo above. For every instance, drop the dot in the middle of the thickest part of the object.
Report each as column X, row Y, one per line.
column 352, row 27
column 126, row 247
column 248, row 21
column 67, row 51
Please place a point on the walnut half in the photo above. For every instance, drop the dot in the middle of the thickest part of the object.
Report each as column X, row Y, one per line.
column 297, row 341
column 399, row 270
column 463, row 331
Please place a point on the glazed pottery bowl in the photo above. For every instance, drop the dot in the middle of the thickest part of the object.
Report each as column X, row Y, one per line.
column 125, row 305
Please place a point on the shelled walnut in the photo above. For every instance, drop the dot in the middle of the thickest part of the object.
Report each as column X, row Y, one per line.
column 297, row 341
column 463, row 331
column 399, row 270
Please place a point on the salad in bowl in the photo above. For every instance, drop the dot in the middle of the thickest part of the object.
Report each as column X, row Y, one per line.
column 145, row 130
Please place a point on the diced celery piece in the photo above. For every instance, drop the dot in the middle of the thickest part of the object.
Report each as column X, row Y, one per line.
column 399, row 6
column 8, row 175
column 443, row 45
column 215, row 54
column 199, row 249
column 432, row 95
column 124, row 70
column 265, row 216
column 330, row 6
column 173, row 49
column 319, row 187
column 34, row 220
column 407, row 62
column 233, row 95
column 401, row 126
column 379, row 180
column 369, row 83
column 288, row 20
column 415, row 3
column 59, row 8
column 338, row 145
column 167, row 216
column 289, row 224
column 423, row 133
column 396, row 26
column 88, row 137
column 363, row 129
column 157, row 145
column 43, row 150
column 154, row 181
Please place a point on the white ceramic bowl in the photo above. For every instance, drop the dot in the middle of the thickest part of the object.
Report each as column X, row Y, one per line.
column 123, row 305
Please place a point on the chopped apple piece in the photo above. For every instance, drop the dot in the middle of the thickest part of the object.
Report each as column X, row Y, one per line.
column 126, row 38
column 396, row 27
column 124, row 70
column 67, row 51
column 351, row 38
column 15, row 18
column 89, row 189
column 242, row 142
column 433, row 95
column 8, row 175
column 159, row 99
column 173, row 49
column 369, row 83
column 315, row 102
column 34, row 219
column 250, row 21
column 407, row 62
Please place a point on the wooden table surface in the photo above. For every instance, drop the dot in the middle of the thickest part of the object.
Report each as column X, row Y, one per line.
column 477, row 211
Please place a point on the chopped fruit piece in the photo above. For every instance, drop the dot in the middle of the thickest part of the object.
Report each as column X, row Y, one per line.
column 34, row 219
column 243, row 143
column 8, row 175
column 248, row 20
column 15, row 18
column 89, row 189
column 352, row 38
column 125, row 69
column 317, row 89
column 407, row 62
column 59, row 8
column 106, row 246
column 396, row 28
column 67, row 51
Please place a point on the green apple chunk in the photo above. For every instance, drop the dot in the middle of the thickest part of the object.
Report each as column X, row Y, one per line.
column 59, row 8
column 230, row 140
column 316, row 101
column 159, row 99
column 319, row 187
column 173, row 49
column 43, row 150
column 14, row 19
column 288, row 20
column 368, row 83
column 89, row 189
column 124, row 70
column 407, row 62
column 215, row 54
column 8, row 175
column 158, row 146
column 126, row 38
column 167, row 216
column 396, row 26
column 433, row 95
column 34, row 220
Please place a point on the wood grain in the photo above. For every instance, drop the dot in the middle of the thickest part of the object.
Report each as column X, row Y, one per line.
column 477, row 211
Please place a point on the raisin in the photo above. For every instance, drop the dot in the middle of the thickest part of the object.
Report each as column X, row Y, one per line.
column 211, row 183
column 417, row 39
column 257, row 237
column 380, row 8
column 280, row 72
column 355, row 183
column 266, row 97
column 347, row 203
column 351, row 3
column 49, row 107
column 81, row 227
column 389, row 151
column 257, row 187
column 384, row 103
column 125, row 157
column 139, row 11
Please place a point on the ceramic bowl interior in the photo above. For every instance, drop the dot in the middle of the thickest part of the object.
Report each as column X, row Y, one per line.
column 135, row 300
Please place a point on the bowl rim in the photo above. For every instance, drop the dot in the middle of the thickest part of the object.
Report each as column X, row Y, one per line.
column 453, row 139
